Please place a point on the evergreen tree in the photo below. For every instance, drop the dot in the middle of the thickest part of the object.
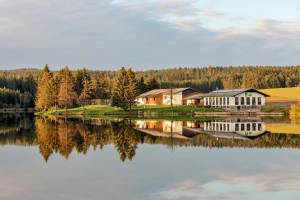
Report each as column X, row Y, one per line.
column 95, row 87
column 80, row 76
column 152, row 84
column 86, row 92
column 67, row 95
column 132, row 88
column 141, row 85
column 119, row 97
column 43, row 96
column 54, row 90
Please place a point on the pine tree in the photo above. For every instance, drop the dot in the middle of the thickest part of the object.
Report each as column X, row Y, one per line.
column 152, row 84
column 119, row 90
column 67, row 95
column 54, row 90
column 132, row 88
column 43, row 96
column 95, row 87
column 81, row 75
column 86, row 92
column 141, row 85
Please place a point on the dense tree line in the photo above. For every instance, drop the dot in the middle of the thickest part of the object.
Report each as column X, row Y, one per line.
column 17, row 89
column 82, row 85
column 210, row 78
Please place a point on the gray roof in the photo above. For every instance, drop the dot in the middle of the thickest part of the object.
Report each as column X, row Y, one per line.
column 231, row 93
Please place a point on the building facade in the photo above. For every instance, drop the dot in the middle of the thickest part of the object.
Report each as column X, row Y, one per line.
column 238, row 99
column 165, row 96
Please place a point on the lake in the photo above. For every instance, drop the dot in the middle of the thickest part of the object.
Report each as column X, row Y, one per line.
column 231, row 158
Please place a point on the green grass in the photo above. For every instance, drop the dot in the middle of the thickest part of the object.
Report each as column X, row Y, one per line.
column 137, row 112
column 93, row 110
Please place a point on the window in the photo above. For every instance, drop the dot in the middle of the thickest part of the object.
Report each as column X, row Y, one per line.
column 259, row 100
column 236, row 101
column 217, row 101
column 248, row 127
column 227, row 127
column 259, row 127
column 242, row 127
column 248, row 100
column 227, row 100
column 242, row 101
column 253, row 101
column 221, row 101
column 254, row 126
column 221, row 128
column 224, row 127
column 237, row 127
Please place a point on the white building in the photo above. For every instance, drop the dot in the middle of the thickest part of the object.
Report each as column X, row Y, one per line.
column 237, row 99
column 243, row 128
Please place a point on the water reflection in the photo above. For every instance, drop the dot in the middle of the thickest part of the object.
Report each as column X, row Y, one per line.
column 59, row 136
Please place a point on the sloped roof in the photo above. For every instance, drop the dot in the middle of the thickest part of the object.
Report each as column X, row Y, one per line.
column 157, row 92
column 231, row 93
column 195, row 95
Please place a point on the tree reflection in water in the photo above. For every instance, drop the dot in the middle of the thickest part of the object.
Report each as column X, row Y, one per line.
column 65, row 136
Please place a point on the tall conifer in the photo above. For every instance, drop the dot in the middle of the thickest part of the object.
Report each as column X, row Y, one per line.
column 43, row 96
column 67, row 95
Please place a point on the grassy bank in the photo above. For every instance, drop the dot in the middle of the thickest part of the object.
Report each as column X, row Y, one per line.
column 105, row 111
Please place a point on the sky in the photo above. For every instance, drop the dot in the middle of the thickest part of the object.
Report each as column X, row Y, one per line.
column 148, row 34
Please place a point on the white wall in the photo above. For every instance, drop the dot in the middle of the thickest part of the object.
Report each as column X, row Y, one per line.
column 141, row 101
column 231, row 127
column 232, row 100
column 177, row 99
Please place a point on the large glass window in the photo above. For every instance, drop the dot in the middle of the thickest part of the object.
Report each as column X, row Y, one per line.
column 248, row 100
column 254, row 126
column 259, row 127
column 237, row 127
column 259, row 100
column 236, row 101
column 242, row 127
column 248, row 127
column 242, row 101
column 253, row 101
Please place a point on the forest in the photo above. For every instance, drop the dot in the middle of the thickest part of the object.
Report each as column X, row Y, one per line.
column 20, row 88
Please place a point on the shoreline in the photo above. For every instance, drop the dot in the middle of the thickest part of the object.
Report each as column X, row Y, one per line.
column 17, row 110
column 180, row 112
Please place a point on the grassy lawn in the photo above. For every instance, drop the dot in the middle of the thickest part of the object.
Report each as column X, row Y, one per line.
column 93, row 110
column 159, row 112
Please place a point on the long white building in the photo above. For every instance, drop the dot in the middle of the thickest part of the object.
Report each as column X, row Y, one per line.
column 237, row 99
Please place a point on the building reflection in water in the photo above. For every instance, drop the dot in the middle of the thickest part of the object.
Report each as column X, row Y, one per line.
column 57, row 136
column 167, row 128
column 235, row 128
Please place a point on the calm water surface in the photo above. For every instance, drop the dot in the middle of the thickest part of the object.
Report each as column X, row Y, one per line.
column 237, row 158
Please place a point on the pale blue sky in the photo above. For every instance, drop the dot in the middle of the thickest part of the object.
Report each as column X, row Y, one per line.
column 148, row 34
